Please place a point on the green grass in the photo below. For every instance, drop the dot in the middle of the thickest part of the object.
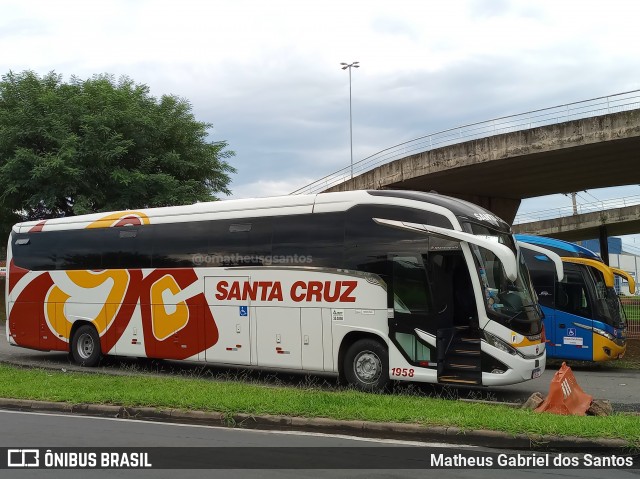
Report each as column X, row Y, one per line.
column 237, row 397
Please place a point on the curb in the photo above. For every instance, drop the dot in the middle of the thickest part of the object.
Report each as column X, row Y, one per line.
column 400, row 431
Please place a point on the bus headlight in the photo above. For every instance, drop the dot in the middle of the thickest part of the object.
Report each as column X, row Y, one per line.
column 598, row 331
column 496, row 342
column 603, row 333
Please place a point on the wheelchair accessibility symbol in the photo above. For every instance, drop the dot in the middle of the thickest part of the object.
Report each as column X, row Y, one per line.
column 571, row 332
column 243, row 311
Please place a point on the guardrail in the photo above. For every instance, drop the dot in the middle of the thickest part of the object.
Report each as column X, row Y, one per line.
column 547, row 116
column 583, row 208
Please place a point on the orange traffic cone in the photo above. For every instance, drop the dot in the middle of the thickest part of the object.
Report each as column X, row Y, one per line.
column 565, row 396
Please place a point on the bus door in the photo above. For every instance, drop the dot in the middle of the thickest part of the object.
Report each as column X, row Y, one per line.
column 571, row 328
column 410, row 299
column 233, row 320
column 455, row 311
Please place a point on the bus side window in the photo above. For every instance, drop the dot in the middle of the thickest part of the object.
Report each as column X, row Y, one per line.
column 440, row 277
column 452, row 290
column 245, row 242
column 309, row 240
column 367, row 244
column 47, row 251
column 543, row 276
column 80, row 249
column 574, row 289
column 410, row 285
column 35, row 251
column 121, row 249
column 180, row 245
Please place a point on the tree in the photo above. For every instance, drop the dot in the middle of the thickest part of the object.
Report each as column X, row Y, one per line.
column 100, row 145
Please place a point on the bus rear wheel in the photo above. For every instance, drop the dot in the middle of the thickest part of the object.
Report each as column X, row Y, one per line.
column 366, row 365
column 85, row 346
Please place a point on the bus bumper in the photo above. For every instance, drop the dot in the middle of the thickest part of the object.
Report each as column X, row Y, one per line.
column 520, row 370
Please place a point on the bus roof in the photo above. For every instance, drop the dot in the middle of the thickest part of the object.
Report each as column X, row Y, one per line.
column 274, row 206
column 563, row 248
column 461, row 208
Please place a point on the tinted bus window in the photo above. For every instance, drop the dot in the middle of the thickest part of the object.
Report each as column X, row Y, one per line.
column 179, row 245
column 543, row 276
column 309, row 240
column 243, row 242
column 80, row 249
column 410, row 286
column 123, row 247
column 368, row 243
column 35, row 251
column 573, row 296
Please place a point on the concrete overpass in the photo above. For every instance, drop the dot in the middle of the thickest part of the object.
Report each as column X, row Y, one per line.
column 497, row 171
column 597, row 224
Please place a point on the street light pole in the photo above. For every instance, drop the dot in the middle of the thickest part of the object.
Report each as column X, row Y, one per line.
column 350, row 66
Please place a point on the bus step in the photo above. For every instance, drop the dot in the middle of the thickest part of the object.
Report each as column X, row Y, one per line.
column 465, row 352
column 467, row 367
column 458, row 380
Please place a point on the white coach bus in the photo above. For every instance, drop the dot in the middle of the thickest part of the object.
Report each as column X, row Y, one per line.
column 370, row 285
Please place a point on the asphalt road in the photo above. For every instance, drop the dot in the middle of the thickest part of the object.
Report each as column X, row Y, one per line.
column 247, row 449
column 620, row 386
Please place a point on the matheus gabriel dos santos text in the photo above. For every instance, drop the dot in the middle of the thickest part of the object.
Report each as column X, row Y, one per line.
column 530, row 460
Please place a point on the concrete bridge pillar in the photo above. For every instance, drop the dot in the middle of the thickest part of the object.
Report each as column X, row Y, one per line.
column 604, row 243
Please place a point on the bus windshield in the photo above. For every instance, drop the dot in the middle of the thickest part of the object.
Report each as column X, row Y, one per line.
column 510, row 303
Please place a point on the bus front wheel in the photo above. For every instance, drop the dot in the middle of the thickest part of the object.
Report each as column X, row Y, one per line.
column 366, row 365
column 85, row 346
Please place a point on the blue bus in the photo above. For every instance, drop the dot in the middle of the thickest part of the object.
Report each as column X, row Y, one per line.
column 584, row 319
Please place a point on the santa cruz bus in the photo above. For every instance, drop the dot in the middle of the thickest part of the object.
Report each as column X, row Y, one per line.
column 369, row 285
column 584, row 319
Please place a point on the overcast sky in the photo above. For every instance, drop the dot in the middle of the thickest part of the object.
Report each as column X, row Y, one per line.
column 267, row 74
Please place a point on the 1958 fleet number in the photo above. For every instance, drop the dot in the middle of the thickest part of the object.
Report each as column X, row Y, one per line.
column 404, row 372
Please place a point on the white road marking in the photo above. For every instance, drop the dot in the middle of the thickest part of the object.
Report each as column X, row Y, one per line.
column 254, row 431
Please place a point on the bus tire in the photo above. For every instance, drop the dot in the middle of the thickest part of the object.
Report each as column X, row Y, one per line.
column 366, row 365
column 85, row 346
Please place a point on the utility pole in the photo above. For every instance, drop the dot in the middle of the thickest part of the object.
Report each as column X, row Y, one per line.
column 350, row 66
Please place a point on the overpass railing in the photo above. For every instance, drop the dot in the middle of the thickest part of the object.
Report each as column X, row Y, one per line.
column 580, row 209
column 547, row 116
